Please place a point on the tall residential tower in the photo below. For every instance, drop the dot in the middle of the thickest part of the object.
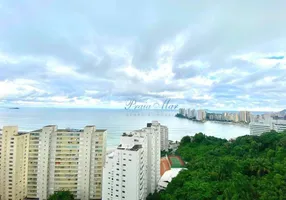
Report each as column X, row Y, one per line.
column 39, row 163
column 133, row 169
column 13, row 163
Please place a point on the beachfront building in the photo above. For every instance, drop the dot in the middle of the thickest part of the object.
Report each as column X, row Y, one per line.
column 132, row 171
column 13, row 163
column 279, row 125
column 201, row 115
column 259, row 128
column 244, row 116
column 182, row 111
column 193, row 113
column 154, row 155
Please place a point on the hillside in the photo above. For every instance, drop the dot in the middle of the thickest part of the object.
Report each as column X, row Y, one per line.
column 251, row 167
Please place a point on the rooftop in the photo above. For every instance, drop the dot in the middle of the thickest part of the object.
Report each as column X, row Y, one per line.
column 135, row 147
column 101, row 130
column 22, row 132
column 68, row 130
column 36, row 131
column 127, row 135
column 168, row 176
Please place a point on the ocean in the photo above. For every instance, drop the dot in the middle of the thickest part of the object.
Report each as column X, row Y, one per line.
column 115, row 121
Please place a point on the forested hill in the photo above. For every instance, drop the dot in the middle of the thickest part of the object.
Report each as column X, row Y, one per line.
column 250, row 167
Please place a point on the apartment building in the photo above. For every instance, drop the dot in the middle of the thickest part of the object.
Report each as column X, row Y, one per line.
column 13, row 163
column 145, row 145
column 262, row 126
column 201, row 115
column 154, row 155
column 244, row 116
column 125, row 170
column 279, row 125
column 66, row 159
column 258, row 128
column 164, row 138
column 193, row 113
column 38, row 163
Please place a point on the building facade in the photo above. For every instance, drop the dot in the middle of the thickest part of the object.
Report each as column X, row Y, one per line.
column 244, row 116
column 14, row 163
column 201, row 115
column 52, row 159
column 139, row 148
column 164, row 138
column 154, row 155
column 125, row 170
column 279, row 125
column 258, row 128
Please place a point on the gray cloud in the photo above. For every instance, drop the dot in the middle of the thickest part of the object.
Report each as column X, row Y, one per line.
column 70, row 48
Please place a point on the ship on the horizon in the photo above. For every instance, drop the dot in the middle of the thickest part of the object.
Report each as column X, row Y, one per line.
column 14, row 108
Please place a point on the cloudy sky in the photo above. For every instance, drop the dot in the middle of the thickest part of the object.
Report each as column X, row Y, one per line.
column 219, row 55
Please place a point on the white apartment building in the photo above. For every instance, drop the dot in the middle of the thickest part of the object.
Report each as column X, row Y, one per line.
column 279, row 125
column 164, row 138
column 124, row 173
column 244, row 116
column 13, row 163
column 258, row 128
column 201, row 115
column 144, row 145
column 154, row 155
column 189, row 112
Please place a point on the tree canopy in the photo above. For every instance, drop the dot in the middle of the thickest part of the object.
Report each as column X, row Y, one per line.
column 61, row 195
column 248, row 168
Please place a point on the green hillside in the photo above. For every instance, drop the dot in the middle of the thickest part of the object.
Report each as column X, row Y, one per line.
column 248, row 168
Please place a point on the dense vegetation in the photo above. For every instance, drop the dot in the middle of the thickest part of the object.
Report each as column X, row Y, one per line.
column 62, row 195
column 248, row 168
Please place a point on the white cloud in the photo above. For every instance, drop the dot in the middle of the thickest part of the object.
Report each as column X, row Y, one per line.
column 58, row 68
column 18, row 88
column 199, row 55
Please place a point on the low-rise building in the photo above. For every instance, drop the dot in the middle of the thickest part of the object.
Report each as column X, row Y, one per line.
column 258, row 128
column 167, row 178
column 279, row 125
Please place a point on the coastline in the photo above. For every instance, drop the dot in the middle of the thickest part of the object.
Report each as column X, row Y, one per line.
column 214, row 121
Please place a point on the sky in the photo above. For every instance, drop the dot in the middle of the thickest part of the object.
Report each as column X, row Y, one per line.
column 219, row 55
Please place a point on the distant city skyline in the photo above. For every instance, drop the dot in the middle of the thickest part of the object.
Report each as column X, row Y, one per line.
column 99, row 54
column 122, row 107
